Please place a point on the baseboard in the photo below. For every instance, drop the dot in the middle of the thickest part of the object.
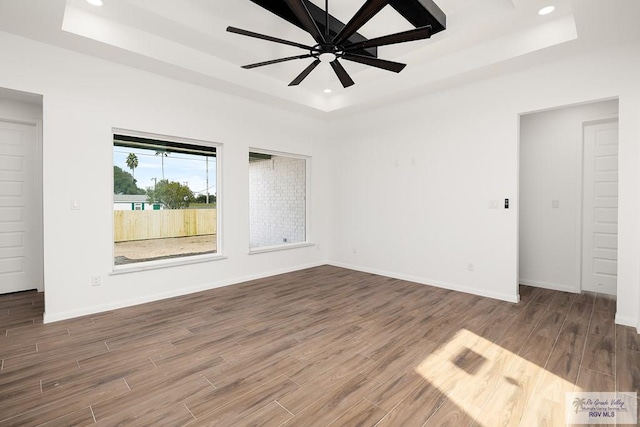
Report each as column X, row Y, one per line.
column 627, row 321
column 548, row 285
column 56, row 317
column 434, row 283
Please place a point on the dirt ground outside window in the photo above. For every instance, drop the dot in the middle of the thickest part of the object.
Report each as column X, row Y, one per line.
column 156, row 249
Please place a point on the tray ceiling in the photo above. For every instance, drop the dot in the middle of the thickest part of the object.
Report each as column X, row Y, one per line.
column 187, row 40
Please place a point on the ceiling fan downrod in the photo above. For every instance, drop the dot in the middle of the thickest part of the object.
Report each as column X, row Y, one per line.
column 326, row 19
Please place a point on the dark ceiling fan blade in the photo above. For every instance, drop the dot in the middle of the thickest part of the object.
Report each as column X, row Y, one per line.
column 362, row 16
column 275, row 61
column 396, row 67
column 403, row 37
column 342, row 74
column 303, row 75
column 264, row 37
column 281, row 9
column 302, row 13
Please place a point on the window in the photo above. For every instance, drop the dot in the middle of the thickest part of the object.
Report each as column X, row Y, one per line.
column 277, row 199
column 165, row 198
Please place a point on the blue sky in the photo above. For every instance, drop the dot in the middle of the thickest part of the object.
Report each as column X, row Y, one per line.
column 183, row 168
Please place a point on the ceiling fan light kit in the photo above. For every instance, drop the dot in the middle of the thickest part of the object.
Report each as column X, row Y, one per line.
column 335, row 40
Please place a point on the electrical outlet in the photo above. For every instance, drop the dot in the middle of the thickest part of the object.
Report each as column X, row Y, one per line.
column 95, row 280
column 470, row 266
column 354, row 251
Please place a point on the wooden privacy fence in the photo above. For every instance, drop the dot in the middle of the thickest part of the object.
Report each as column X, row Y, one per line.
column 143, row 225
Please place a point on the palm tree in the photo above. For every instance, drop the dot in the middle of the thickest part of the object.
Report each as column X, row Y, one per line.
column 162, row 155
column 132, row 162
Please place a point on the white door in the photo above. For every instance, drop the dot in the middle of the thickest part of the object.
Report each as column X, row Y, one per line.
column 600, row 208
column 19, row 192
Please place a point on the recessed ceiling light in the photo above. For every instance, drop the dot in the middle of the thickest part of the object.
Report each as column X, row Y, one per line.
column 95, row 2
column 327, row 91
column 546, row 10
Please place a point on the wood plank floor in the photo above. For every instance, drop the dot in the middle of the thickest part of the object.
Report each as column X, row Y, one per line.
column 318, row 347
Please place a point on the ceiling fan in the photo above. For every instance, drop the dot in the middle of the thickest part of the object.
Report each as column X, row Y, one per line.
column 333, row 44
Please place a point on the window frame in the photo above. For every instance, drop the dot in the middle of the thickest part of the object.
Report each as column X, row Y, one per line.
column 174, row 261
column 307, row 207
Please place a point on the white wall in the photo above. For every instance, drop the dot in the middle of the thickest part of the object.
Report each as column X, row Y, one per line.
column 84, row 98
column 20, row 110
column 550, row 169
column 412, row 197
column 402, row 190
column 277, row 201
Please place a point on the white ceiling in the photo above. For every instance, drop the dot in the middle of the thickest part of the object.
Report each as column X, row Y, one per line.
column 187, row 40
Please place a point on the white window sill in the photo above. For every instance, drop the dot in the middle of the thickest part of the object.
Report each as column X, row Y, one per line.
column 163, row 263
column 276, row 248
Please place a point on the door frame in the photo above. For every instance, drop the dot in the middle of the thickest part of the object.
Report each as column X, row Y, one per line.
column 38, row 256
column 580, row 195
column 579, row 158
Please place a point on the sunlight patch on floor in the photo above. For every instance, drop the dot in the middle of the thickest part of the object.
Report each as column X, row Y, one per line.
column 470, row 370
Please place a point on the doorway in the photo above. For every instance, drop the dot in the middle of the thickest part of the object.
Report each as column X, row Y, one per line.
column 568, row 198
column 21, row 233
